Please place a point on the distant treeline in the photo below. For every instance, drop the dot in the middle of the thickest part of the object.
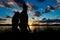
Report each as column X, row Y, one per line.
column 5, row 24
column 33, row 25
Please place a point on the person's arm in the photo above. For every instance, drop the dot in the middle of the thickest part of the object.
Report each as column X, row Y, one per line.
column 29, row 28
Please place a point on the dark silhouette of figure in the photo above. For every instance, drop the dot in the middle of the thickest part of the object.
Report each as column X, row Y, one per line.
column 15, row 22
column 24, row 19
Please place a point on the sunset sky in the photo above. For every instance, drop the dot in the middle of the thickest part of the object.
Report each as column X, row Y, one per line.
column 38, row 7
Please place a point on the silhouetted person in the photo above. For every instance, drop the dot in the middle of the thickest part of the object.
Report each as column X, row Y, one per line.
column 15, row 22
column 24, row 19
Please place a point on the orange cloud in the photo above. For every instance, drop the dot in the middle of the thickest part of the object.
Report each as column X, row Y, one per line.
column 11, row 2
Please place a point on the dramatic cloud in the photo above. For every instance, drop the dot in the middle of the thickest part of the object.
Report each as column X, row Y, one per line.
column 35, row 18
column 57, row 6
column 11, row 2
column 29, row 5
column 8, row 4
column 43, row 18
column 4, row 0
column 5, row 4
column 41, row 0
column 1, row 4
column 1, row 19
column 52, row 8
column 8, row 17
column 58, row 1
column 37, row 13
column 34, row 7
column 19, row 2
column 49, row 9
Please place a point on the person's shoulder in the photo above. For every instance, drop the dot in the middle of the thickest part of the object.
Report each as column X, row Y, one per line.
column 17, row 12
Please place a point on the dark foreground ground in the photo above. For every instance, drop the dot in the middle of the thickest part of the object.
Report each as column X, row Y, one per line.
column 29, row 36
column 48, row 33
column 19, row 36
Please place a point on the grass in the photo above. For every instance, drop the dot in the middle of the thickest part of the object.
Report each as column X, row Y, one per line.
column 36, row 30
column 37, row 33
column 5, row 29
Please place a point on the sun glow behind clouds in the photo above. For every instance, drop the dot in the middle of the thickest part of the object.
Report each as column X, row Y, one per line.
column 32, row 28
column 30, row 22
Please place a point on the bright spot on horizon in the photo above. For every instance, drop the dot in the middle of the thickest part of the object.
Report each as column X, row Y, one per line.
column 32, row 28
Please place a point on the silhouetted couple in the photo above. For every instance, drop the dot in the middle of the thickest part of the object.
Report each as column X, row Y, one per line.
column 21, row 20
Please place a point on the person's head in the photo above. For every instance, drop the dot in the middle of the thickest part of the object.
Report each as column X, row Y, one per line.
column 24, row 6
